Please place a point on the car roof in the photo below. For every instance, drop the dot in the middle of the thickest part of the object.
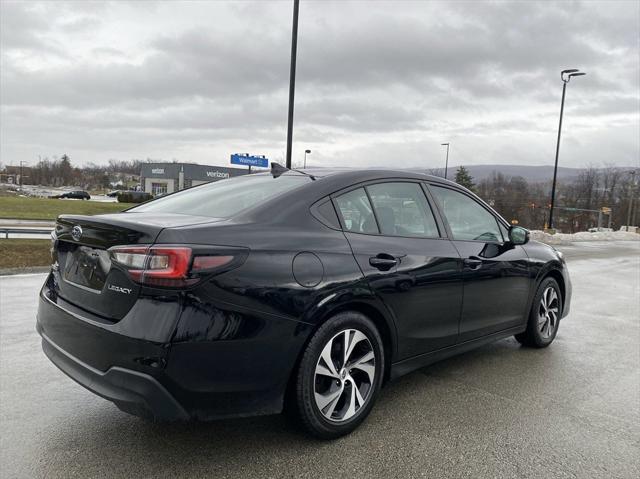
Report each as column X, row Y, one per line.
column 357, row 175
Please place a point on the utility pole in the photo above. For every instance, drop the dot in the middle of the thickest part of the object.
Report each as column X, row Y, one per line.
column 565, row 76
column 446, row 162
column 292, row 79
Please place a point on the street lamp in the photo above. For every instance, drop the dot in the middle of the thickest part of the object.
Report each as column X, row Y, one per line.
column 565, row 76
column 446, row 163
column 305, row 158
column 21, row 164
column 292, row 79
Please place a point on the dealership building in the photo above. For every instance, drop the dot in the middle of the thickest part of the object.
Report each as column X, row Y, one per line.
column 160, row 178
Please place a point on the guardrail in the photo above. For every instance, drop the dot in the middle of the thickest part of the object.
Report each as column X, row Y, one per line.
column 23, row 231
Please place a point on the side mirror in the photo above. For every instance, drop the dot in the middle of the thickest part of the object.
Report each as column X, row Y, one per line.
column 518, row 235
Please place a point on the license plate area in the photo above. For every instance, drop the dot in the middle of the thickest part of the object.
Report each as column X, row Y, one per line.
column 85, row 266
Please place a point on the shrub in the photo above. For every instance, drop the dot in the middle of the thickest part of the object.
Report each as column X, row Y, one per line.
column 133, row 197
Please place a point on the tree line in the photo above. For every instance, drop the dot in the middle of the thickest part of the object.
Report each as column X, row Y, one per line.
column 60, row 172
column 519, row 201
column 527, row 203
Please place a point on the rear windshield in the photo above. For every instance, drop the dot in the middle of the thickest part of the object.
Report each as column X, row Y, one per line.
column 224, row 198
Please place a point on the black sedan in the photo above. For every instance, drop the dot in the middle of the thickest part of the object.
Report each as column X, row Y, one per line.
column 75, row 195
column 303, row 290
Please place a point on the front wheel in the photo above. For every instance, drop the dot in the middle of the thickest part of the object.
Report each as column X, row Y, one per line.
column 339, row 376
column 544, row 317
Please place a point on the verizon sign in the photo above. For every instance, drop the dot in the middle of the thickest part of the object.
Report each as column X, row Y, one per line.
column 217, row 174
column 157, row 171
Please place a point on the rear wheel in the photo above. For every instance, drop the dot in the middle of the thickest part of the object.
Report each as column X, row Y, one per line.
column 339, row 376
column 544, row 317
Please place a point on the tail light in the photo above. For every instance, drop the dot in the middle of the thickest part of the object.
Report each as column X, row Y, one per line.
column 169, row 266
column 52, row 246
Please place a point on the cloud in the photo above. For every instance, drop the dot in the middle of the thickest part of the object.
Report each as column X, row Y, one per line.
column 377, row 82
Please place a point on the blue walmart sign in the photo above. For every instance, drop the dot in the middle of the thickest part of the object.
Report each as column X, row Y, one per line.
column 249, row 160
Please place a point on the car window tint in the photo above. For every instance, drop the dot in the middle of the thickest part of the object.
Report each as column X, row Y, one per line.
column 402, row 210
column 356, row 212
column 467, row 219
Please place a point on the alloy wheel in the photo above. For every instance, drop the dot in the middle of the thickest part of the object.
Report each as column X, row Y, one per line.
column 344, row 375
column 548, row 312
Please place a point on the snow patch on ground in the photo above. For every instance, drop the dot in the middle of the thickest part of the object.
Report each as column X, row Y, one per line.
column 567, row 238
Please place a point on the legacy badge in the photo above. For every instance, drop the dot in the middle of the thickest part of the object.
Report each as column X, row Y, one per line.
column 119, row 289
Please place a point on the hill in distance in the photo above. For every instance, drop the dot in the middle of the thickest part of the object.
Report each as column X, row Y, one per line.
column 532, row 174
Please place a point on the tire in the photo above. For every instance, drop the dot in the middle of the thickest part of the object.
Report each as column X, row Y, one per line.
column 544, row 317
column 326, row 403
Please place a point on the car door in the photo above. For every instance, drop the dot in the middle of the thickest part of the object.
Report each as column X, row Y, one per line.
column 495, row 273
column 409, row 264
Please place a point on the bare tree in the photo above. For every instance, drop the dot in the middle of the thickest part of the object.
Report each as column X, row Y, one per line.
column 611, row 176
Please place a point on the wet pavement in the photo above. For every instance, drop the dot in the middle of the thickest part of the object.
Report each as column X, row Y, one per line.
column 572, row 410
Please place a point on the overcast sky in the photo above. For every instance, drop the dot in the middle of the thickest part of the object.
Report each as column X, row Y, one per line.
column 378, row 83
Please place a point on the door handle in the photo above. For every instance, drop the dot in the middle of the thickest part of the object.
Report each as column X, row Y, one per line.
column 383, row 261
column 473, row 262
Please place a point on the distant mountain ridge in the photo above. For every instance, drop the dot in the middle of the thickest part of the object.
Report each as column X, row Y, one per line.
column 529, row 173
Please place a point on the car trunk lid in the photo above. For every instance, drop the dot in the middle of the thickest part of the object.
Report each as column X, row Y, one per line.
column 84, row 273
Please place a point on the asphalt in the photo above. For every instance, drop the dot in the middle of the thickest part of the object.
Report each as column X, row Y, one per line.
column 572, row 410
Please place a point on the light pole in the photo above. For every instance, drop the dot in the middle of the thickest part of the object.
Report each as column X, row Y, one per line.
column 305, row 158
column 21, row 164
column 446, row 162
column 292, row 79
column 565, row 76
column 631, row 188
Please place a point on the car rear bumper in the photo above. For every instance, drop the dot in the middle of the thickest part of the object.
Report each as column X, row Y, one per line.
column 132, row 391
column 198, row 378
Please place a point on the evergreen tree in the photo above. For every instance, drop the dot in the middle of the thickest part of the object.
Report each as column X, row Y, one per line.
column 463, row 178
column 66, row 170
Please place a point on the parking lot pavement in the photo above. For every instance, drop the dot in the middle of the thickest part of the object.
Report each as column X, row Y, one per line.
column 572, row 410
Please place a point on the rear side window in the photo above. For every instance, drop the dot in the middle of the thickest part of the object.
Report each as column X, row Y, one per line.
column 467, row 219
column 326, row 214
column 402, row 210
column 356, row 212
column 225, row 198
